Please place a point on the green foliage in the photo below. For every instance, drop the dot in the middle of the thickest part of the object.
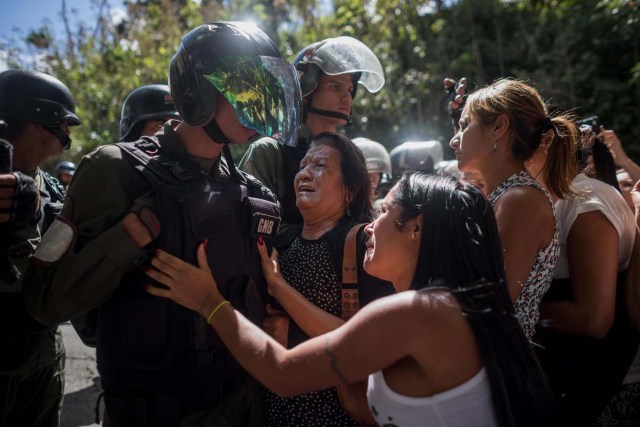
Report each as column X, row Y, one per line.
column 580, row 54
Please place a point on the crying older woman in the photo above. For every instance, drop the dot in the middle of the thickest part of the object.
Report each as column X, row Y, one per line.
column 332, row 192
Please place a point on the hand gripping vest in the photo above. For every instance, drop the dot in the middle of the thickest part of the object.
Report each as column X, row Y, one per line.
column 148, row 345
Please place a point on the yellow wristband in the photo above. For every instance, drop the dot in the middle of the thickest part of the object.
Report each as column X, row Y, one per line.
column 216, row 309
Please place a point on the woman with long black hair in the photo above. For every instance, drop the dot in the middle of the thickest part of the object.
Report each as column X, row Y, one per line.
column 445, row 351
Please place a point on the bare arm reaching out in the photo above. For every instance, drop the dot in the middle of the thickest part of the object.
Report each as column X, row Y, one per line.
column 369, row 342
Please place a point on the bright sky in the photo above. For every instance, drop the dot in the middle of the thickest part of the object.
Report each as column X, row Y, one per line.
column 27, row 15
column 22, row 16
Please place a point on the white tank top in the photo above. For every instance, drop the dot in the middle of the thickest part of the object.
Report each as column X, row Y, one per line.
column 468, row 405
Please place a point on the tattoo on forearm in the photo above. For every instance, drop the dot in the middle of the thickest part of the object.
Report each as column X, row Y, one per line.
column 334, row 362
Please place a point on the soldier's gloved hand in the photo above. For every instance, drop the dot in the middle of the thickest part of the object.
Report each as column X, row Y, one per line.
column 457, row 96
column 19, row 199
column 142, row 223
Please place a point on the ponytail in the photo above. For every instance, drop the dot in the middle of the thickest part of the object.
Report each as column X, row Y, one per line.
column 530, row 126
column 560, row 167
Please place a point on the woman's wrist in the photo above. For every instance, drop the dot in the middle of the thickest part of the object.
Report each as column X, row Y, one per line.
column 210, row 303
column 215, row 310
column 278, row 286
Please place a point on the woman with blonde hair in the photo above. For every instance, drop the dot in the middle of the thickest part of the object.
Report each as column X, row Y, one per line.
column 501, row 127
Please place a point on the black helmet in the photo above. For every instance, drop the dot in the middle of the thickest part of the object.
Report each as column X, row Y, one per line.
column 339, row 55
column 142, row 104
column 240, row 62
column 65, row 167
column 36, row 98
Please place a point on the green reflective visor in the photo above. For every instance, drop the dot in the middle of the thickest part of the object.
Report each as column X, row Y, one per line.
column 264, row 92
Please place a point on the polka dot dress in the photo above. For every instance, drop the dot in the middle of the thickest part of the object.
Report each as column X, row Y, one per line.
column 308, row 266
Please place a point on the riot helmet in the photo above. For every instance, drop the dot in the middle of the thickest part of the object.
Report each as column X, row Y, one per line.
column 145, row 103
column 421, row 156
column 376, row 156
column 64, row 171
column 65, row 167
column 239, row 61
column 335, row 56
column 339, row 55
column 36, row 97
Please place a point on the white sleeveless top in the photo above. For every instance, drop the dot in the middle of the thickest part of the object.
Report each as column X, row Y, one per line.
column 469, row 405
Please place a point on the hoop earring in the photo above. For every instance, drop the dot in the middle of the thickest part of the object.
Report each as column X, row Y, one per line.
column 530, row 164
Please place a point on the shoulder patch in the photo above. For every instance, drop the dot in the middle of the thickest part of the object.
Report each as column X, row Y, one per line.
column 58, row 239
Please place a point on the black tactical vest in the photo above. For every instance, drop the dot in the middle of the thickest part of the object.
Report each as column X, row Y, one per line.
column 147, row 344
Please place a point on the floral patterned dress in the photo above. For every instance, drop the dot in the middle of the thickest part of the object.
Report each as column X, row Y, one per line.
column 527, row 306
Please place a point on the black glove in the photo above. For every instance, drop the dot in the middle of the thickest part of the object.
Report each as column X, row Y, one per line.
column 6, row 154
column 457, row 96
column 24, row 200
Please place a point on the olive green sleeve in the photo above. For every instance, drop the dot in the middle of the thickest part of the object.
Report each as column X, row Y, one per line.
column 264, row 161
column 102, row 191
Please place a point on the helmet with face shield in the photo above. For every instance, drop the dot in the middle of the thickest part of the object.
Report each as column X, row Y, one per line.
column 239, row 62
column 336, row 56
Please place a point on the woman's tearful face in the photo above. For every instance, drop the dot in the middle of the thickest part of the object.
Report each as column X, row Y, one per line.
column 319, row 185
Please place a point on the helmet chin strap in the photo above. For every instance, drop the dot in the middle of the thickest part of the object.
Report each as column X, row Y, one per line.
column 213, row 130
column 328, row 113
column 215, row 133
column 64, row 139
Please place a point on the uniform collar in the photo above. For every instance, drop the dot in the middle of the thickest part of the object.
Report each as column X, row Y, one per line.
column 169, row 139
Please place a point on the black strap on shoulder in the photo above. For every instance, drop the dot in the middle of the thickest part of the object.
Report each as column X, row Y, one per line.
column 151, row 160
column 233, row 170
column 335, row 241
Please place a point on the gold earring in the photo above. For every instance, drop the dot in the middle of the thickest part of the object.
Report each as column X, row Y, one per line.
column 413, row 235
column 530, row 164
column 494, row 146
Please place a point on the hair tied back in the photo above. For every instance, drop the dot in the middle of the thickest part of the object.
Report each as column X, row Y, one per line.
column 547, row 124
